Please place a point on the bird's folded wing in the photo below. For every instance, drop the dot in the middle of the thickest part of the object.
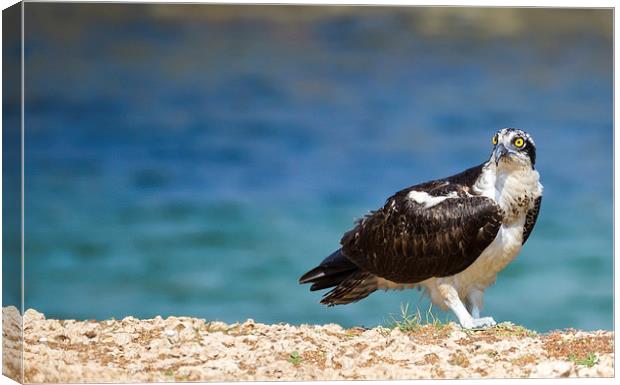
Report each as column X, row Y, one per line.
column 408, row 242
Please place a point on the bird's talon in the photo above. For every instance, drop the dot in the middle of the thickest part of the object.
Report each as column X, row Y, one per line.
column 481, row 323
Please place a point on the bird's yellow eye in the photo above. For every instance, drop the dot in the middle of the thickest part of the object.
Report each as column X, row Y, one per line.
column 494, row 140
column 519, row 142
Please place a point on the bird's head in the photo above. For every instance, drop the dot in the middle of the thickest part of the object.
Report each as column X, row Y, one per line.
column 513, row 148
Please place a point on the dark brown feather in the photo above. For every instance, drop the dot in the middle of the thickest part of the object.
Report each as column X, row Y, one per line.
column 334, row 265
column 530, row 219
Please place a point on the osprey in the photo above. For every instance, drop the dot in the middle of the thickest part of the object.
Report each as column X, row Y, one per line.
column 450, row 236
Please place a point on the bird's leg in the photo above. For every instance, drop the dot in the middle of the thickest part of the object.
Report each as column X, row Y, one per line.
column 453, row 302
column 474, row 302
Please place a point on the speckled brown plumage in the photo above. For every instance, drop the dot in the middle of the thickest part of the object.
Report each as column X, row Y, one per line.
column 530, row 219
column 405, row 242
column 355, row 287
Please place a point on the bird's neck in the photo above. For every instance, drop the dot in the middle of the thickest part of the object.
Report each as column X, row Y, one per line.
column 514, row 189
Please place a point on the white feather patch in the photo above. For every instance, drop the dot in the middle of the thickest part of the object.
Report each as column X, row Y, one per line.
column 429, row 200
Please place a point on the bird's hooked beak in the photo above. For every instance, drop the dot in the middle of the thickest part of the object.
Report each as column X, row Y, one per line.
column 500, row 151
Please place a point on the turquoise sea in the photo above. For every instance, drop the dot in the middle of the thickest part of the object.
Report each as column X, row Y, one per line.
column 196, row 161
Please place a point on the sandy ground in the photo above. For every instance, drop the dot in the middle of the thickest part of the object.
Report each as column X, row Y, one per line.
column 190, row 349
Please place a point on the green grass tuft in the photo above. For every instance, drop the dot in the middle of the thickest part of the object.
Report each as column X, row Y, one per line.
column 411, row 322
column 589, row 361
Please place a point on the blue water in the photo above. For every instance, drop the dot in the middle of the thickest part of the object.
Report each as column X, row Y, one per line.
column 194, row 166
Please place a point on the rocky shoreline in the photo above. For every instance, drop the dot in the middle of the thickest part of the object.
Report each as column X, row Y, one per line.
column 191, row 349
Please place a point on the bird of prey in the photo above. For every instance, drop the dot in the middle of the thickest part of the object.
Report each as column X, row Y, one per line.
column 450, row 236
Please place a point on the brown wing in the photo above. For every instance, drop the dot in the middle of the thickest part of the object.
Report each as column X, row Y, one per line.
column 406, row 242
column 530, row 219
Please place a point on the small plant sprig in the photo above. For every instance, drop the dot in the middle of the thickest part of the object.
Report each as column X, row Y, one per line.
column 294, row 358
column 589, row 361
column 510, row 329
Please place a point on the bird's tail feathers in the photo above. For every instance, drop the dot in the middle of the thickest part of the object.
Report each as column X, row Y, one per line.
column 334, row 269
column 350, row 283
column 356, row 286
